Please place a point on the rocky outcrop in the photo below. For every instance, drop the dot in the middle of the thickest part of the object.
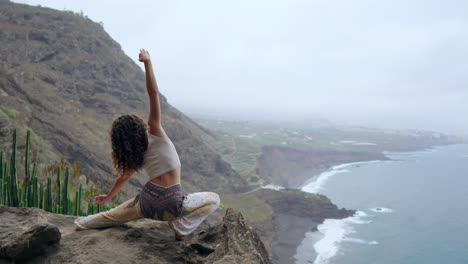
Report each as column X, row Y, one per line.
column 144, row 241
column 29, row 244
column 293, row 214
column 292, row 167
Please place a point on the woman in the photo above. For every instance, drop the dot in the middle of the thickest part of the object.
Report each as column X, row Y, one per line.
column 140, row 146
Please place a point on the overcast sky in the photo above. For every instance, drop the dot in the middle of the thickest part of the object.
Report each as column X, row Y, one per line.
column 394, row 63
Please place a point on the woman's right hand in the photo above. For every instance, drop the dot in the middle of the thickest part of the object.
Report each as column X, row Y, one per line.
column 101, row 199
column 144, row 56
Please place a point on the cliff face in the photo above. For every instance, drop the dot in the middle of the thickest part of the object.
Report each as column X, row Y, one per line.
column 144, row 241
column 293, row 213
column 291, row 167
column 282, row 218
column 66, row 79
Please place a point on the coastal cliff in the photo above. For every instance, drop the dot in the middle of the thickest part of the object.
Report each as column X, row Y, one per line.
column 229, row 241
column 292, row 167
column 282, row 217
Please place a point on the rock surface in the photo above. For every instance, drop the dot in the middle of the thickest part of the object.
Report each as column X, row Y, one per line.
column 29, row 244
column 144, row 241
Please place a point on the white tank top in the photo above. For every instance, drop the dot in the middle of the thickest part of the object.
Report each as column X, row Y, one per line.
column 160, row 157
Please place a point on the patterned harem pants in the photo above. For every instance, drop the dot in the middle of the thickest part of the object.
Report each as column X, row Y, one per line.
column 183, row 212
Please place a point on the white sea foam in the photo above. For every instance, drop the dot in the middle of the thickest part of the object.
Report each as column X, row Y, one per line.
column 360, row 241
column 317, row 184
column 336, row 231
column 344, row 165
column 304, row 254
column 381, row 210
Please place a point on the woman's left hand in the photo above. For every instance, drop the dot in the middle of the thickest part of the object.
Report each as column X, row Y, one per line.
column 101, row 199
column 144, row 56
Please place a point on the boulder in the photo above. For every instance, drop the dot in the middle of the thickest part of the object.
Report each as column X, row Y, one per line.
column 31, row 243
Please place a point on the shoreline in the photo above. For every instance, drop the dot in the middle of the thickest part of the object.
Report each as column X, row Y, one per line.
column 318, row 171
column 334, row 169
column 304, row 254
column 287, row 242
column 323, row 241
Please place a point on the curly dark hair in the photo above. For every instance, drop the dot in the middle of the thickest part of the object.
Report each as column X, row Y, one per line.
column 129, row 142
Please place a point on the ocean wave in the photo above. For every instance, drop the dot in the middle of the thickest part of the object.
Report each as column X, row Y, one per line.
column 381, row 210
column 317, row 185
column 360, row 241
column 336, row 231
column 304, row 254
column 344, row 165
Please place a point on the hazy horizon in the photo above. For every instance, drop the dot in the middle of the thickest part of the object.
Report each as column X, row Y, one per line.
column 312, row 118
column 393, row 64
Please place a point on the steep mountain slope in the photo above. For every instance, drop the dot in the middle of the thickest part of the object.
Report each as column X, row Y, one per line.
column 63, row 77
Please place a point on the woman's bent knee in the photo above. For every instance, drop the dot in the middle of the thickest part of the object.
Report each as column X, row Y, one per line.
column 214, row 198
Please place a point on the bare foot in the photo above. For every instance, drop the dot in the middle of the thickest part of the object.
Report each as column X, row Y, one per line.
column 78, row 227
column 181, row 237
column 178, row 236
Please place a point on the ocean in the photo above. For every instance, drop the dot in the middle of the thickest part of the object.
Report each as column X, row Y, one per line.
column 411, row 209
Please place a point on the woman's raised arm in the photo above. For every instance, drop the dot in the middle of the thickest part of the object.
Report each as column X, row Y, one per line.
column 154, row 117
